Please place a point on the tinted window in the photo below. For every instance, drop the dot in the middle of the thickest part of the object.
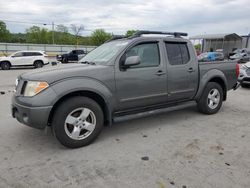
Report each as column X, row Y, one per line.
column 184, row 53
column 80, row 52
column 31, row 54
column 177, row 53
column 148, row 52
column 174, row 53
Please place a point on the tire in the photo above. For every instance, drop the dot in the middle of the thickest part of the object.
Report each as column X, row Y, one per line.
column 71, row 120
column 211, row 99
column 65, row 60
column 38, row 64
column 5, row 65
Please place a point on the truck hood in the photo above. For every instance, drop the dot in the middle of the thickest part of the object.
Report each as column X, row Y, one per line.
column 59, row 72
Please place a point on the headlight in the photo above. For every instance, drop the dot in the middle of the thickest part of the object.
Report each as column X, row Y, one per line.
column 243, row 67
column 32, row 88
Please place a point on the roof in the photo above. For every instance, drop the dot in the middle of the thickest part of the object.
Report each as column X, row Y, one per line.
column 233, row 36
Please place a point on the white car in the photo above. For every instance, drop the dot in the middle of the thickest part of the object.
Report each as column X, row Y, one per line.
column 244, row 76
column 24, row 58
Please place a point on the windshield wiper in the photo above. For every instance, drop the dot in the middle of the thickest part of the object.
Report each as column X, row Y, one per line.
column 88, row 62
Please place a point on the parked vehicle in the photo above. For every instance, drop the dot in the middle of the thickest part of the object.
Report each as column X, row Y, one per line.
column 211, row 56
column 244, row 77
column 24, row 58
column 242, row 55
column 120, row 80
column 72, row 56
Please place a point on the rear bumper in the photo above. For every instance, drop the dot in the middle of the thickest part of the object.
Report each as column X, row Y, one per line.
column 36, row 117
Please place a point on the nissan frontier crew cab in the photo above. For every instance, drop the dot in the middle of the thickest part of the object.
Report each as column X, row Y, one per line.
column 125, row 78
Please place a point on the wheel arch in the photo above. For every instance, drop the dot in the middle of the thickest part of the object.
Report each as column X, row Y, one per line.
column 221, row 82
column 7, row 61
column 216, row 76
column 38, row 60
column 85, row 93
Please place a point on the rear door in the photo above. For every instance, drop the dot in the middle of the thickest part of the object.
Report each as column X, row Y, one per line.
column 28, row 58
column 182, row 71
column 144, row 84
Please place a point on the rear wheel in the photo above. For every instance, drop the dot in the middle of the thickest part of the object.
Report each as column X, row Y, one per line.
column 77, row 122
column 5, row 65
column 211, row 99
column 38, row 64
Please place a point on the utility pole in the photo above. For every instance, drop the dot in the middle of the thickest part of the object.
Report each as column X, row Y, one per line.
column 53, row 33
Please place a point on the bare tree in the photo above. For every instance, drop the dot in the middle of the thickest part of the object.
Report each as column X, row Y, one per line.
column 77, row 31
column 62, row 28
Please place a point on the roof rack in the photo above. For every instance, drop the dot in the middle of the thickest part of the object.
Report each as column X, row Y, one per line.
column 116, row 37
column 175, row 34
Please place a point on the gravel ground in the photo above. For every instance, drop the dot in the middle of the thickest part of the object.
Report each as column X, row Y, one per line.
column 177, row 149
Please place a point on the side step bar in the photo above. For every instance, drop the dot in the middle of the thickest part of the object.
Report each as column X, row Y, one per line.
column 153, row 112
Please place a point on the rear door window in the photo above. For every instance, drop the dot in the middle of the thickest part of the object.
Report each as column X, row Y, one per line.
column 177, row 53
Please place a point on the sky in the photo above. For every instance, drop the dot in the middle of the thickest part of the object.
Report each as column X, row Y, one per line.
column 117, row 16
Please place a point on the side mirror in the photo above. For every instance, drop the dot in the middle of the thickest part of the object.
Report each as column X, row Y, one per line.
column 132, row 61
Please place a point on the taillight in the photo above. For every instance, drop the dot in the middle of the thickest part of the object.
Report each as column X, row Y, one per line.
column 237, row 70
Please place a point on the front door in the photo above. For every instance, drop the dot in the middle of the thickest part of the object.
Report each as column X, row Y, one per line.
column 144, row 84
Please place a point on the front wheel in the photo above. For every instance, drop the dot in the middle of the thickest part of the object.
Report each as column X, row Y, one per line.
column 77, row 122
column 5, row 65
column 211, row 99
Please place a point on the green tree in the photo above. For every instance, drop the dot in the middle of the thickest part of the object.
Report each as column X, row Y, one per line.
column 99, row 36
column 197, row 46
column 5, row 35
column 129, row 33
column 38, row 35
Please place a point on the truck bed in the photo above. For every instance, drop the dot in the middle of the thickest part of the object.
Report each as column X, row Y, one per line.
column 228, row 67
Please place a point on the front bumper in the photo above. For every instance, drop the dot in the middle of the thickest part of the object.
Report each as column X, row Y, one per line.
column 36, row 117
column 244, row 80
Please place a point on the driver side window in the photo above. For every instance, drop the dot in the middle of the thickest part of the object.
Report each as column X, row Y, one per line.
column 19, row 54
column 148, row 53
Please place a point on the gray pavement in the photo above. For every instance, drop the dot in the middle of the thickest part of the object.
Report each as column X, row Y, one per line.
column 184, row 149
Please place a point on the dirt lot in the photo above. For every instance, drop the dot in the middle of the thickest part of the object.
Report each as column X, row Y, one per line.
column 180, row 149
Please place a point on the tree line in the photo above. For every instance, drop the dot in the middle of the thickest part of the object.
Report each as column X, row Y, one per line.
column 61, row 35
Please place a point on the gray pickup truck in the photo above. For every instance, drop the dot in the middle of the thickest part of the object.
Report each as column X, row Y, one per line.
column 122, row 79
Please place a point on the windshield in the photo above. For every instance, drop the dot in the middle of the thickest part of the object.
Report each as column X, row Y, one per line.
column 105, row 52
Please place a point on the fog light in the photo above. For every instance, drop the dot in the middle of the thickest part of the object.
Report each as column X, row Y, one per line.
column 25, row 118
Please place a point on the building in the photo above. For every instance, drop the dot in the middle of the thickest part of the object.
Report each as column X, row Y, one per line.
column 246, row 41
column 224, row 42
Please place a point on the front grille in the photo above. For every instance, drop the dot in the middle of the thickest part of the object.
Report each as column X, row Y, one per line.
column 20, row 87
column 23, row 87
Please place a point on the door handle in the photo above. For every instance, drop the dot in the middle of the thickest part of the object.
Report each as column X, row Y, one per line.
column 191, row 69
column 160, row 72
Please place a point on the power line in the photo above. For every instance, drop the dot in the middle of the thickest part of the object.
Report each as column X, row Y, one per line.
column 40, row 23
